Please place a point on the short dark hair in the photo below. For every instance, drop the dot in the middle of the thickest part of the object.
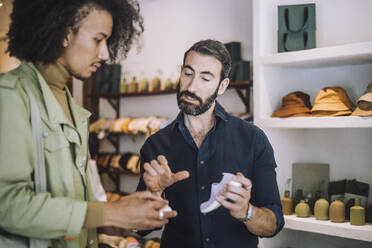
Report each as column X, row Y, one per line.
column 39, row 27
column 216, row 49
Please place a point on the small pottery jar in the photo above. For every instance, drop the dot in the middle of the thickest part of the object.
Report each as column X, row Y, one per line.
column 337, row 211
column 133, row 86
column 143, row 85
column 123, row 86
column 287, row 203
column 321, row 209
column 302, row 209
column 168, row 84
column 155, row 84
column 357, row 214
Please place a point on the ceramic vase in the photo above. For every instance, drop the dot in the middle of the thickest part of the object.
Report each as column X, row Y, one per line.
column 357, row 214
column 302, row 209
column 287, row 203
column 133, row 86
column 337, row 211
column 321, row 208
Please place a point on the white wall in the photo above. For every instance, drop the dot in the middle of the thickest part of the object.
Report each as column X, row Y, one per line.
column 171, row 27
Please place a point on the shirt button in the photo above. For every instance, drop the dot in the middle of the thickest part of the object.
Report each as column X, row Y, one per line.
column 207, row 239
column 202, row 162
column 45, row 134
column 202, row 188
column 91, row 242
column 84, row 122
column 84, row 159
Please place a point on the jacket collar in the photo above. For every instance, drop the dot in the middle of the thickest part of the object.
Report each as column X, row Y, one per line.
column 54, row 110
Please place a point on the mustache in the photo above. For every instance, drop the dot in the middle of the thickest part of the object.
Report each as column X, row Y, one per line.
column 189, row 94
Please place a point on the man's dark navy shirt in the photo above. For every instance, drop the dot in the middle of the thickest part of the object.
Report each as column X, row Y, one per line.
column 232, row 145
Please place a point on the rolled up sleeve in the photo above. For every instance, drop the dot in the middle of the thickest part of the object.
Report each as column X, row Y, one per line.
column 265, row 189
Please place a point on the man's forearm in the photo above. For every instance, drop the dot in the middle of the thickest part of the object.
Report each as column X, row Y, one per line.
column 263, row 222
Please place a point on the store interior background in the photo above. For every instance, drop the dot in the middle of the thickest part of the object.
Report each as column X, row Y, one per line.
column 171, row 27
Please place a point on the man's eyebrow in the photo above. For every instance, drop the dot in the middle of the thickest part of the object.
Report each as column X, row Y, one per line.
column 207, row 72
column 203, row 72
column 188, row 67
column 103, row 34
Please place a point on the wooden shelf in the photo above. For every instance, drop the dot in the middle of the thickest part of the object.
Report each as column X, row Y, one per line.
column 344, row 230
column 158, row 92
column 317, row 122
column 237, row 85
column 349, row 54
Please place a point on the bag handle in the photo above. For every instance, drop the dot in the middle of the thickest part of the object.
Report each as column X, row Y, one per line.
column 286, row 19
column 39, row 175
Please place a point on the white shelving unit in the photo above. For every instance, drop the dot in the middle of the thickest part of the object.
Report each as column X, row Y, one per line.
column 343, row 57
column 349, row 54
column 315, row 59
column 344, row 230
column 318, row 122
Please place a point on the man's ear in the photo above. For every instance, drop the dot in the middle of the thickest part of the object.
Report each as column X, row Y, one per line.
column 223, row 86
column 67, row 39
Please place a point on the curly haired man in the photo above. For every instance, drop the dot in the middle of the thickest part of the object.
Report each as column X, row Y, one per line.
column 58, row 40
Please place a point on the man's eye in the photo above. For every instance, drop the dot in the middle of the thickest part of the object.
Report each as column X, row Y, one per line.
column 187, row 74
column 206, row 79
column 97, row 40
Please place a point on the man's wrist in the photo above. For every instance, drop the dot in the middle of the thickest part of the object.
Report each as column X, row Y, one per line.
column 156, row 192
column 249, row 215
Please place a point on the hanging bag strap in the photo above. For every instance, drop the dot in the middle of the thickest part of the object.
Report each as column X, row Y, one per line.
column 39, row 170
column 294, row 33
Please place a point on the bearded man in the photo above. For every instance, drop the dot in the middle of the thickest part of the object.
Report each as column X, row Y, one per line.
column 184, row 159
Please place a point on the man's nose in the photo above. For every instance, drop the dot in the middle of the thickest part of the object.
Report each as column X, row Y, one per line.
column 103, row 53
column 193, row 85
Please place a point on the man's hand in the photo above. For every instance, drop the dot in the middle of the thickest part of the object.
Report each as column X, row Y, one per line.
column 236, row 199
column 139, row 211
column 158, row 175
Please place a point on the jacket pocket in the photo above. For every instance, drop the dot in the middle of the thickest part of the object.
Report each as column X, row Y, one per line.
column 54, row 139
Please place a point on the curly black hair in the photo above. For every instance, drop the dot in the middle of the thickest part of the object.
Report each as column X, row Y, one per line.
column 39, row 27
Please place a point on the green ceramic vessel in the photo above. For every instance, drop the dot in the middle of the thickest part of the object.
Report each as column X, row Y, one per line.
column 321, row 209
column 302, row 209
column 357, row 214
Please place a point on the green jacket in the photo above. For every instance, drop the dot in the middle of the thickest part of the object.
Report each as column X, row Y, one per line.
column 60, row 213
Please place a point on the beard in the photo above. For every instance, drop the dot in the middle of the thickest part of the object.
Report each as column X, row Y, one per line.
column 194, row 109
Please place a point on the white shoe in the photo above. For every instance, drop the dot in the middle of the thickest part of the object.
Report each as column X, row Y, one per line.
column 212, row 204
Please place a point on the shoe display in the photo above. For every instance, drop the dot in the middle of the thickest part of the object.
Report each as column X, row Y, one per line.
column 212, row 204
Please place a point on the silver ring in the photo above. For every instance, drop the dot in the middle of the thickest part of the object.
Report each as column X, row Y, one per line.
column 249, row 187
column 161, row 215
